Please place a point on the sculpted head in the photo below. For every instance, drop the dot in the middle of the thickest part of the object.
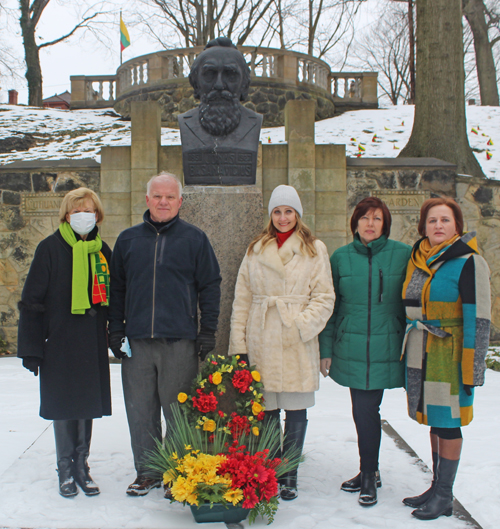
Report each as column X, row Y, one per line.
column 220, row 78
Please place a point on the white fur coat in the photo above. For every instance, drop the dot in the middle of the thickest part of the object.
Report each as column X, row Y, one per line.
column 283, row 300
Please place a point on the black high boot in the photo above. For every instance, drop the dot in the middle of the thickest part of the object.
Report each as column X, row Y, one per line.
column 65, row 436
column 441, row 501
column 417, row 501
column 81, row 467
column 295, row 434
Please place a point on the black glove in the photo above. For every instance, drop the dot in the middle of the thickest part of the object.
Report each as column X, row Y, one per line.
column 205, row 342
column 467, row 390
column 32, row 363
column 115, row 340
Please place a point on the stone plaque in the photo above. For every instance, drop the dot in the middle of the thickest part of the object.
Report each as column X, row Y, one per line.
column 41, row 204
column 224, row 167
column 401, row 201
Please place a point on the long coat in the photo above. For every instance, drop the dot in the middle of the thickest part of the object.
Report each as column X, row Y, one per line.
column 365, row 333
column 74, row 373
column 283, row 299
column 449, row 313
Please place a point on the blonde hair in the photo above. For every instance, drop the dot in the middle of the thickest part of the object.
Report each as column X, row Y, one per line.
column 75, row 198
column 303, row 232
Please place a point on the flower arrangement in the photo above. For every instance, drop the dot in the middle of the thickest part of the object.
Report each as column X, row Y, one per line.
column 224, row 470
column 227, row 395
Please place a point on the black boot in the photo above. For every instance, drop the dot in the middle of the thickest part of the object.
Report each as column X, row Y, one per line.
column 65, row 436
column 354, row 484
column 81, row 467
column 368, row 492
column 272, row 422
column 417, row 501
column 441, row 501
column 295, row 434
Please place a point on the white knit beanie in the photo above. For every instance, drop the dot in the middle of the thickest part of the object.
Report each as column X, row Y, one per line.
column 285, row 196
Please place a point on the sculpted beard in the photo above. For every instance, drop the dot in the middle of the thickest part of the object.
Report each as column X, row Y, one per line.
column 220, row 112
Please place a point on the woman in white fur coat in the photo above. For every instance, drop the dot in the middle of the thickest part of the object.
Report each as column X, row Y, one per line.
column 283, row 299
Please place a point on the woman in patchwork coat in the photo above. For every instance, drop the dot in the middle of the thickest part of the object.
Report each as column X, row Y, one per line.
column 284, row 297
column 447, row 299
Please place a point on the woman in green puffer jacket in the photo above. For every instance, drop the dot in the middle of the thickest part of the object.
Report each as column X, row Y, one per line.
column 361, row 344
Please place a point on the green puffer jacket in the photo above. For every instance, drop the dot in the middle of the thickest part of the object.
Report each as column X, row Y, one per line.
column 365, row 333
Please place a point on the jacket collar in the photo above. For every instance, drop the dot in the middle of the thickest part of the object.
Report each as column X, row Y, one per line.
column 372, row 247
column 275, row 258
column 165, row 226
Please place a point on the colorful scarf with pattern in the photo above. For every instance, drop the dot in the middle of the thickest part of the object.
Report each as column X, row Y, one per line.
column 80, row 279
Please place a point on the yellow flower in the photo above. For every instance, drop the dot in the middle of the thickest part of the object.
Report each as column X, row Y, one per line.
column 182, row 397
column 256, row 376
column 168, row 476
column 175, row 456
column 188, row 447
column 255, row 431
column 256, row 408
column 217, row 378
column 234, row 496
column 209, row 425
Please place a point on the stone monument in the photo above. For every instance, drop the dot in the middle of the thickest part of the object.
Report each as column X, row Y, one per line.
column 220, row 138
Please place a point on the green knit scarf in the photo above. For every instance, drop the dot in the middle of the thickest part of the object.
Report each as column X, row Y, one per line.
column 80, row 283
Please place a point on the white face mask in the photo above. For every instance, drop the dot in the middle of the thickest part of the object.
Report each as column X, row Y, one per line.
column 82, row 223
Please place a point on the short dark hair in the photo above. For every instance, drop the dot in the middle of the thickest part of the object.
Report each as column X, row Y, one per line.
column 223, row 42
column 441, row 201
column 366, row 205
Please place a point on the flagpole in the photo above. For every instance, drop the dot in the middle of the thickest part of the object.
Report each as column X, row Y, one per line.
column 121, row 51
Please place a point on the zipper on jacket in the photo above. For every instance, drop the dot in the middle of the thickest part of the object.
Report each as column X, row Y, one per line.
column 381, row 276
column 369, row 318
column 154, row 286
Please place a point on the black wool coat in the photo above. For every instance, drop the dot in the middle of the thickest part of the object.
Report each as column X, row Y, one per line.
column 74, row 371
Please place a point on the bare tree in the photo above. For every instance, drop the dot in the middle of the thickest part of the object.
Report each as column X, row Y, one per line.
column 439, row 127
column 9, row 62
column 385, row 48
column 31, row 13
column 198, row 21
column 481, row 17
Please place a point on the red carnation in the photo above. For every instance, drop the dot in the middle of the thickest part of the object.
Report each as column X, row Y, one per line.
column 260, row 416
column 242, row 380
column 204, row 402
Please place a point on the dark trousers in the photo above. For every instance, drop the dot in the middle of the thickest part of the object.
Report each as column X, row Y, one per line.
column 366, row 415
column 152, row 378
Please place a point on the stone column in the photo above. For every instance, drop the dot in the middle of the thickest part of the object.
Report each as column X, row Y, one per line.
column 299, row 133
column 144, row 157
column 78, row 95
column 331, row 196
column 115, row 191
column 231, row 216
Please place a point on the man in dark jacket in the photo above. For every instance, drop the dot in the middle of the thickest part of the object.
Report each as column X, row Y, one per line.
column 161, row 271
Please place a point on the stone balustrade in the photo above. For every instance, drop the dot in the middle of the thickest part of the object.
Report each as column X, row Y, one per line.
column 266, row 64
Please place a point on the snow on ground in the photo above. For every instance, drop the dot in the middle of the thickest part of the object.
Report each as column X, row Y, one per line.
column 382, row 133
column 28, row 481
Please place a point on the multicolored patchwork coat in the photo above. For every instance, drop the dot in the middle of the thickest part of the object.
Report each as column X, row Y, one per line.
column 448, row 327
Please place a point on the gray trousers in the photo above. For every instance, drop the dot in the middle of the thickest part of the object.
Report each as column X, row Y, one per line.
column 152, row 378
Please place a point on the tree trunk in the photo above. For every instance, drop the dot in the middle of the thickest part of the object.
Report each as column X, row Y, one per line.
column 486, row 73
column 32, row 58
column 439, row 127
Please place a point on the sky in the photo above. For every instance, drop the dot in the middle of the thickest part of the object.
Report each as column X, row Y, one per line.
column 84, row 55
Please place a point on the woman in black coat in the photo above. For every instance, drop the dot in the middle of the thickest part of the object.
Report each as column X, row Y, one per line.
column 62, row 333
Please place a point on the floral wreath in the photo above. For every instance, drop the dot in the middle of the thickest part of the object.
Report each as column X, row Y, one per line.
column 226, row 396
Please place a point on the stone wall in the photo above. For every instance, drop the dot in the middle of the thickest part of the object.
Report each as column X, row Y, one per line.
column 265, row 97
column 30, row 196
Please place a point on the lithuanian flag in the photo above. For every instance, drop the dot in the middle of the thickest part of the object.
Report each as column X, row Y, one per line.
column 124, row 36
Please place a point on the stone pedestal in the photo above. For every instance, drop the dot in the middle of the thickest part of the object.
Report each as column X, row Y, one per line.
column 231, row 217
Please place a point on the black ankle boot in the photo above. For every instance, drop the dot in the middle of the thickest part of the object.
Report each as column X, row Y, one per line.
column 295, row 434
column 368, row 492
column 441, row 501
column 81, row 467
column 354, row 484
column 417, row 501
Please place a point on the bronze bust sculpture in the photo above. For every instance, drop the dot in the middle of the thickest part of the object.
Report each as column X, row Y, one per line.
column 220, row 137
